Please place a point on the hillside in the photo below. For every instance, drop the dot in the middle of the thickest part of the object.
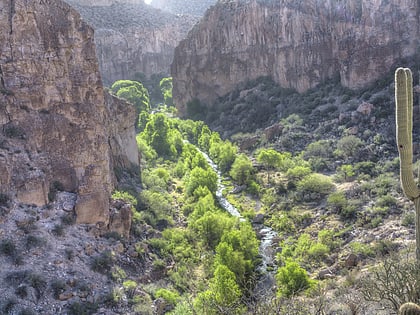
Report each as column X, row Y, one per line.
column 297, row 44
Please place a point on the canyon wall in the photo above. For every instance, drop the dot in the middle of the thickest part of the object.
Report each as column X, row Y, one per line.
column 132, row 37
column 191, row 7
column 297, row 43
column 56, row 125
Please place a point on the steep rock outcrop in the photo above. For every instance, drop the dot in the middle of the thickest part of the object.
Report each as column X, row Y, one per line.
column 56, row 129
column 191, row 7
column 297, row 43
column 132, row 37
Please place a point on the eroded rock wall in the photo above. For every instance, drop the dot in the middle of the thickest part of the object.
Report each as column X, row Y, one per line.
column 55, row 125
column 191, row 7
column 132, row 37
column 297, row 43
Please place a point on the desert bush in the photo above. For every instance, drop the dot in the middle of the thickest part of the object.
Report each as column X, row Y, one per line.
column 8, row 247
column 58, row 286
column 82, row 308
column 292, row 279
column 364, row 250
column 348, row 147
column 102, row 263
column 4, row 199
column 409, row 219
column 315, row 183
column 7, row 306
column 58, row 230
column 33, row 241
column 170, row 296
column 395, row 281
column 337, row 200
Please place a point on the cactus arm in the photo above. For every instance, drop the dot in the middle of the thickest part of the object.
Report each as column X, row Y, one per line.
column 404, row 126
column 409, row 309
column 404, row 122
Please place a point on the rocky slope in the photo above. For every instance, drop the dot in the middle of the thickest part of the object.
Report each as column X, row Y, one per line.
column 132, row 37
column 59, row 129
column 297, row 43
column 193, row 7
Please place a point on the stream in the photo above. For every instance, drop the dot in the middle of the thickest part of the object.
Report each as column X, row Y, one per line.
column 266, row 270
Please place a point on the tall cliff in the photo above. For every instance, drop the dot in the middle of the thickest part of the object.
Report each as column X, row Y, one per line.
column 297, row 43
column 56, row 127
column 133, row 37
column 192, row 7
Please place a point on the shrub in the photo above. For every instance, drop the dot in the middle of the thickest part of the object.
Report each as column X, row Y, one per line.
column 292, row 279
column 130, row 287
column 26, row 311
column 361, row 249
column 409, row 219
column 8, row 305
column 38, row 283
column 171, row 297
column 58, row 230
column 328, row 238
column 348, row 146
column 298, row 172
column 386, row 201
column 337, row 200
column 8, row 248
column 102, row 263
column 315, row 183
column 58, row 286
column 82, row 308
column 33, row 241
column 395, row 281
column 4, row 199
column 350, row 210
column 12, row 131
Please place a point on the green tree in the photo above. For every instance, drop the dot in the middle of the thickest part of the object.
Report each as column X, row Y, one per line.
column 346, row 172
column 200, row 177
column 223, row 295
column 166, row 88
column 226, row 156
column 211, row 226
column 242, row 169
column 270, row 158
column 348, row 146
column 134, row 92
column 292, row 279
column 161, row 137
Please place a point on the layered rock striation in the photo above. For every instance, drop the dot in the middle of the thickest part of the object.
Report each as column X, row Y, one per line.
column 58, row 128
column 191, row 7
column 132, row 37
column 297, row 43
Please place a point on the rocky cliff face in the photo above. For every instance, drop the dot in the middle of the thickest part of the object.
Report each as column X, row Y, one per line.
column 57, row 130
column 132, row 37
column 297, row 43
column 192, row 7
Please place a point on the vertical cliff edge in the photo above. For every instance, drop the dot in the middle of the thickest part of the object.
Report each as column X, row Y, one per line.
column 297, row 43
column 58, row 128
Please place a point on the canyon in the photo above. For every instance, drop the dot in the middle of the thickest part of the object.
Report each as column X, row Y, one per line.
column 133, row 38
column 60, row 130
column 299, row 44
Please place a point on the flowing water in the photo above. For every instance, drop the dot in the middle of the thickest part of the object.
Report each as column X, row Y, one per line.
column 266, row 281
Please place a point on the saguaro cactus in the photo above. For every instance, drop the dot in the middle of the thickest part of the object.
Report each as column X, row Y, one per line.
column 409, row 309
column 404, row 121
